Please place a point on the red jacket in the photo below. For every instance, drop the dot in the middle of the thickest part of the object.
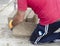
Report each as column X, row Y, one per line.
column 47, row 10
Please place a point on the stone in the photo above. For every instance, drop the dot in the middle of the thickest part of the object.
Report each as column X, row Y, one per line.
column 24, row 29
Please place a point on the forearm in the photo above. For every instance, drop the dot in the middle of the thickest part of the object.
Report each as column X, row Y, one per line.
column 19, row 17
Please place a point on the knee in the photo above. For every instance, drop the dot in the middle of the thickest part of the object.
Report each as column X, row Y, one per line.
column 32, row 40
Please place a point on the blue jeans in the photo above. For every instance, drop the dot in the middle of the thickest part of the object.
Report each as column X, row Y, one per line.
column 50, row 36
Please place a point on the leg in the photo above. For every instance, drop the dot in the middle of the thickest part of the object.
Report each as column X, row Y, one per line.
column 53, row 27
column 51, row 35
column 39, row 27
column 35, row 33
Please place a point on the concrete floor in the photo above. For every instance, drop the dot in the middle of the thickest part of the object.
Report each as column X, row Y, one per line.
column 6, row 37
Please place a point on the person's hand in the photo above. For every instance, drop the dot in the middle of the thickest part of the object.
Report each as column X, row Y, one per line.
column 18, row 18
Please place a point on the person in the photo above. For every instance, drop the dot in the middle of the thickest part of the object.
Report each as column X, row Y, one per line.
column 48, row 12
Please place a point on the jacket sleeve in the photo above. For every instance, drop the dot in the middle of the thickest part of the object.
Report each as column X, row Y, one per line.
column 22, row 5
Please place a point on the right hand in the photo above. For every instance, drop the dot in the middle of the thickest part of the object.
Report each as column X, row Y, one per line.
column 18, row 18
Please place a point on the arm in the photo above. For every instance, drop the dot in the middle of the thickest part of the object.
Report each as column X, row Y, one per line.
column 19, row 17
